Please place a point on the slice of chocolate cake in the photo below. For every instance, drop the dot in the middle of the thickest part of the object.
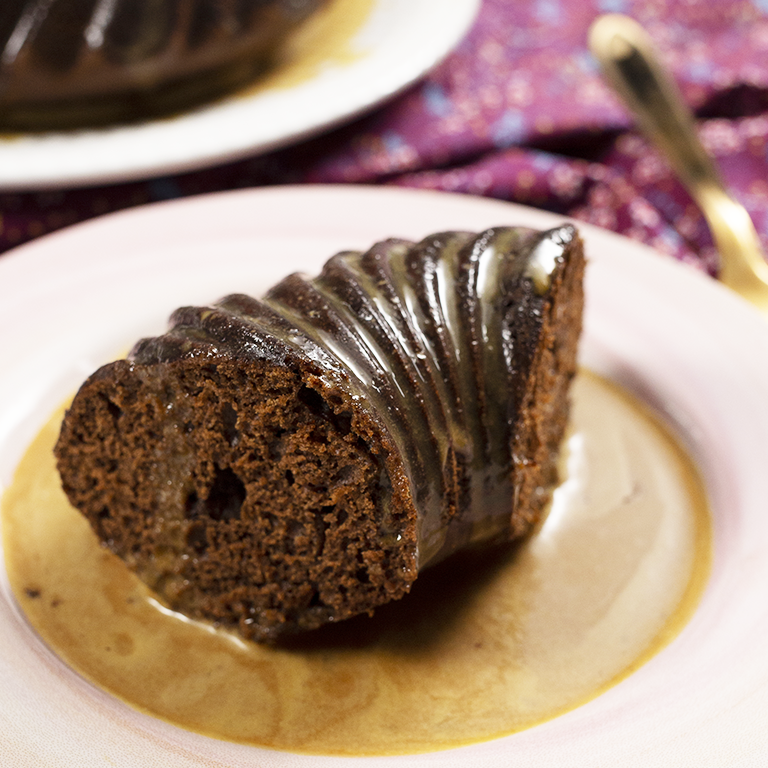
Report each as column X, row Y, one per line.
column 272, row 465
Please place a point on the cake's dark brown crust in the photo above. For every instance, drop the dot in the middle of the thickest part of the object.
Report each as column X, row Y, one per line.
column 69, row 63
column 274, row 465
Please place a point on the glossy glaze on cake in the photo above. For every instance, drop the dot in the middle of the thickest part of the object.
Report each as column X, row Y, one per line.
column 275, row 464
column 66, row 63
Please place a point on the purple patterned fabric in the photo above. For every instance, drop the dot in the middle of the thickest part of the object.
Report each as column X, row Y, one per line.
column 519, row 112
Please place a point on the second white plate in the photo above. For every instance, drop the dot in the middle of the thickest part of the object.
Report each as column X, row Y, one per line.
column 397, row 43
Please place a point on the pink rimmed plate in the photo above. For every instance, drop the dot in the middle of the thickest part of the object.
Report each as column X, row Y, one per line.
column 72, row 300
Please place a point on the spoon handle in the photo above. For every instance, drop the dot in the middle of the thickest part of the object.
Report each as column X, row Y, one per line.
column 631, row 65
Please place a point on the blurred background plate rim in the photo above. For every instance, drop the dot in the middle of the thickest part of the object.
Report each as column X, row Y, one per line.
column 400, row 41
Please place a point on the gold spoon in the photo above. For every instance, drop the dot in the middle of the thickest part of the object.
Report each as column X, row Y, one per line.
column 631, row 65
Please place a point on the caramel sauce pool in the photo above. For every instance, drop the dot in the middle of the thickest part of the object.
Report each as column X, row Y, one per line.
column 485, row 645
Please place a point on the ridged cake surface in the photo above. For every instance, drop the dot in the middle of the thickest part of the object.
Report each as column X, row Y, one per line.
column 275, row 464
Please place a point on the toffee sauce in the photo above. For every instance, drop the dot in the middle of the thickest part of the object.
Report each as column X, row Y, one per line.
column 487, row 643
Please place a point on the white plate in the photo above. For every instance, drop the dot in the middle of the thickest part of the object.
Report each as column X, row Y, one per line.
column 399, row 41
column 70, row 301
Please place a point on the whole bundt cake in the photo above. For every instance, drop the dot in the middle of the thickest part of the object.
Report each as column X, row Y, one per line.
column 272, row 465
column 68, row 63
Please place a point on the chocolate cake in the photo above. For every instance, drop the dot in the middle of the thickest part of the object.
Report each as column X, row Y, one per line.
column 272, row 465
column 68, row 63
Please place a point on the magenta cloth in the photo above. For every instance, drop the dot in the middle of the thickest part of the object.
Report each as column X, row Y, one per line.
column 519, row 112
